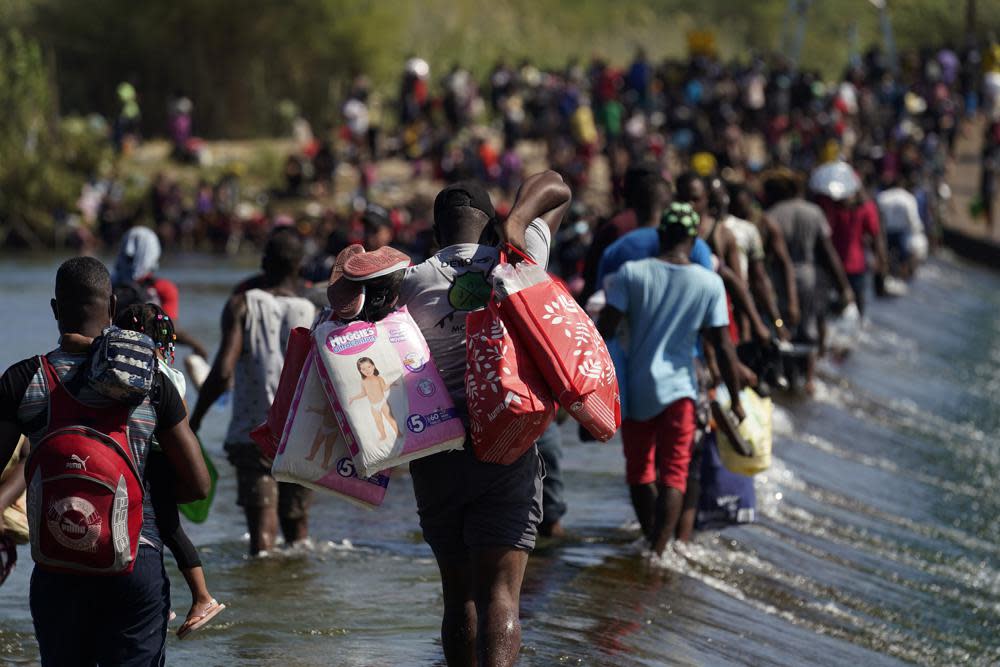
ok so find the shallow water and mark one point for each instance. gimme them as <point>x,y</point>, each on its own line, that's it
<point>877,542</point>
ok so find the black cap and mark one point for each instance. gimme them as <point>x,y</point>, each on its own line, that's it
<point>375,216</point>
<point>464,193</point>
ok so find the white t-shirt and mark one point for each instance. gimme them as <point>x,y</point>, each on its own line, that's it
<point>748,240</point>
<point>899,211</point>
<point>441,291</point>
<point>269,322</point>
<point>176,378</point>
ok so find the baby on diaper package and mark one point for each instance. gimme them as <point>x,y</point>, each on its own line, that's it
<point>313,452</point>
<point>390,402</point>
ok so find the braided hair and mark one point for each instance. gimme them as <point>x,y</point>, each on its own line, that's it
<point>149,318</point>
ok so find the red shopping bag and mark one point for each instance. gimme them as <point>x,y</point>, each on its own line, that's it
<point>564,344</point>
<point>509,403</point>
<point>268,434</point>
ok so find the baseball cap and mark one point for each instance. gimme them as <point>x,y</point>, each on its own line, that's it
<point>680,213</point>
<point>464,193</point>
<point>375,216</point>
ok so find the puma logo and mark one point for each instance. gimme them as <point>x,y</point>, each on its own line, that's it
<point>76,463</point>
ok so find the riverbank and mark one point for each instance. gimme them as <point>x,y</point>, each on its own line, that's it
<point>969,236</point>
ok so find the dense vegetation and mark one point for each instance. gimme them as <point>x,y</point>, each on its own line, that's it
<point>242,61</point>
<point>246,55</point>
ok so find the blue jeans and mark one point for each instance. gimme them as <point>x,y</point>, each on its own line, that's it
<point>550,449</point>
<point>82,621</point>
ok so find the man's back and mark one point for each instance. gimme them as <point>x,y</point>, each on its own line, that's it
<point>268,322</point>
<point>802,223</point>
<point>898,208</point>
<point>666,305</point>
<point>441,291</point>
<point>24,386</point>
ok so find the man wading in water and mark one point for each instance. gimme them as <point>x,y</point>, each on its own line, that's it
<point>82,617</point>
<point>480,519</point>
<point>255,329</point>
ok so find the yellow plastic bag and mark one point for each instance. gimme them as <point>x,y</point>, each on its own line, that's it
<point>756,431</point>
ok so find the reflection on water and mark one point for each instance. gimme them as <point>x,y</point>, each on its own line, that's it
<point>878,540</point>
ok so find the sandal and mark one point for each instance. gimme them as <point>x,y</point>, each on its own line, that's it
<point>345,297</point>
<point>197,622</point>
<point>375,264</point>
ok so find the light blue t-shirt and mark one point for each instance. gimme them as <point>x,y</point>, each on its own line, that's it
<point>666,305</point>
<point>640,244</point>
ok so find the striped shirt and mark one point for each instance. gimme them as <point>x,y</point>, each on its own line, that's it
<point>163,408</point>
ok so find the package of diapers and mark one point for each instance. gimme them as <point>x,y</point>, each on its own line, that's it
<point>390,401</point>
<point>313,452</point>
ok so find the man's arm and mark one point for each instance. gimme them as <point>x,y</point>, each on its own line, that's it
<point>776,241</point>
<point>191,479</point>
<point>608,321</point>
<point>11,489</point>
<point>728,364</point>
<point>544,195</point>
<point>743,302</point>
<point>10,435</point>
<point>221,375</point>
<point>763,293</point>
<point>874,230</point>
<point>184,338</point>
<point>830,260</point>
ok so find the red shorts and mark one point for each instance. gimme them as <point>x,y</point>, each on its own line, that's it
<point>659,449</point>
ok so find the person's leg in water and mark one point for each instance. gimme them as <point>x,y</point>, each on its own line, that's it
<point>553,505</point>
<point>643,497</point>
<point>293,512</point>
<point>262,515</point>
<point>675,428</point>
<point>256,493</point>
<point>859,283</point>
<point>459,622</point>
<point>499,572</point>
<point>689,509</point>
<point>639,445</point>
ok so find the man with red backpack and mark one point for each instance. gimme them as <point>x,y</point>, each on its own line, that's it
<point>99,593</point>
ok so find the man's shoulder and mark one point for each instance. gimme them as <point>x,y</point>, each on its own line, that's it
<point>30,363</point>
<point>699,275</point>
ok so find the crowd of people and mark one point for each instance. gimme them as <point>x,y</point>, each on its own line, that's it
<point>748,204</point>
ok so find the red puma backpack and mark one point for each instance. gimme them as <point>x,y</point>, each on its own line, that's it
<point>84,489</point>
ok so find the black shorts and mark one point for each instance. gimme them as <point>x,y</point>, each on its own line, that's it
<point>257,489</point>
<point>86,620</point>
<point>466,504</point>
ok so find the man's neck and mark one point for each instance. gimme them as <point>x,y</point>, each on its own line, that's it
<point>649,218</point>
<point>677,255</point>
<point>280,285</point>
<point>75,343</point>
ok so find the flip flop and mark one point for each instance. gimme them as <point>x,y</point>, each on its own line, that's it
<point>345,297</point>
<point>210,611</point>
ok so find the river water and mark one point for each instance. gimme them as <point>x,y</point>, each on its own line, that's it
<point>877,541</point>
